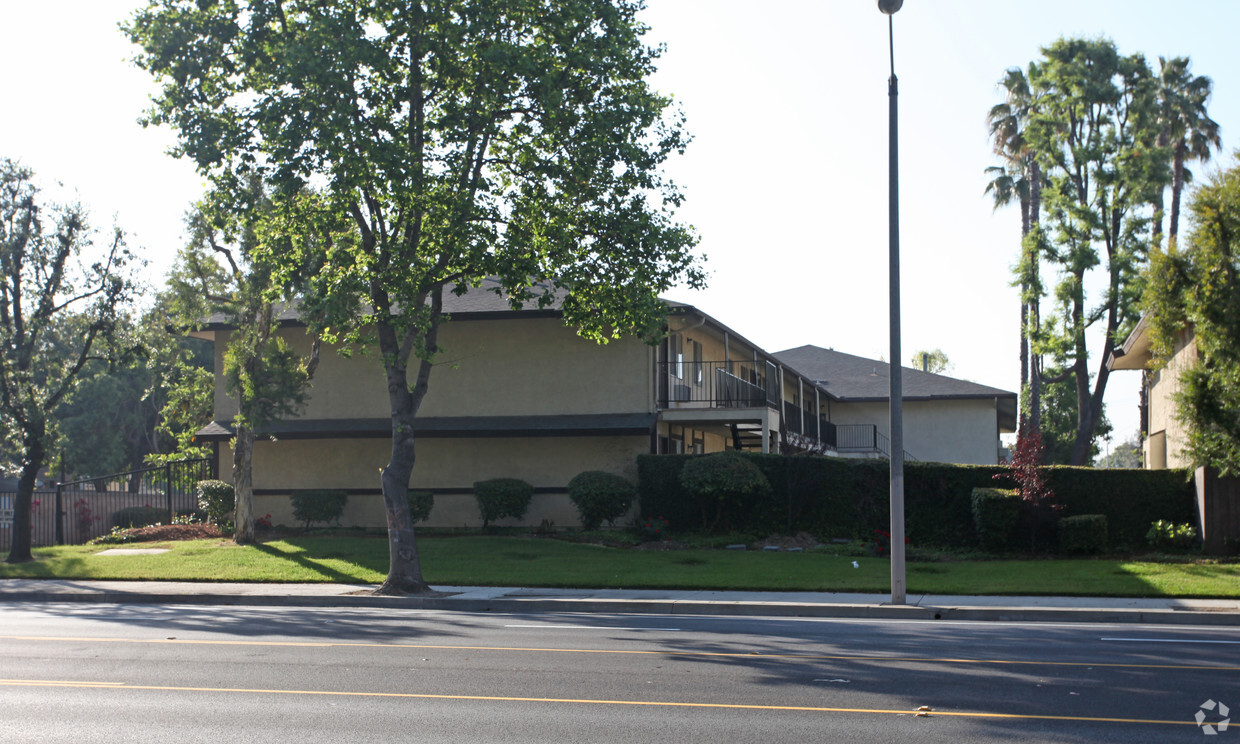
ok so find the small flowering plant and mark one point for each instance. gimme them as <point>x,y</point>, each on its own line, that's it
<point>263,523</point>
<point>880,544</point>
<point>654,528</point>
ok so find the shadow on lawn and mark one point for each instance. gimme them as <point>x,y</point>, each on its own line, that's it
<point>305,561</point>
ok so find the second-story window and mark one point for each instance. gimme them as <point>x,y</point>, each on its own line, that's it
<point>676,351</point>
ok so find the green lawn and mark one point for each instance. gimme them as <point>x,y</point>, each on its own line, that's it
<point>524,561</point>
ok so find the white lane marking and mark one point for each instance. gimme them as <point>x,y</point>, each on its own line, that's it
<point>1168,640</point>
<point>584,627</point>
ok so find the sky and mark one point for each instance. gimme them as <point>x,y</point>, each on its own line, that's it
<point>786,179</point>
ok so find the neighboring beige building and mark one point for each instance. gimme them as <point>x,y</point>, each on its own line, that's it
<point>945,419</point>
<point>1164,433</point>
<point>515,393</point>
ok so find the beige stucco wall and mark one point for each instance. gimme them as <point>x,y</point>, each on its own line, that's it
<point>1166,435</point>
<point>956,431</point>
<point>530,366</point>
<point>546,462</point>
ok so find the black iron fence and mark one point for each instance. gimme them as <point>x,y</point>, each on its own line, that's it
<point>79,511</point>
<point>805,422</point>
<point>857,437</point>
<point>719,384</point>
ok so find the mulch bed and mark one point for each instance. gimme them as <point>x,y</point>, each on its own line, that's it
<point>174,532</point>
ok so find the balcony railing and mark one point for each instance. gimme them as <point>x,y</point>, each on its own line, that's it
<point>718,384</point>
<point>815,425</point>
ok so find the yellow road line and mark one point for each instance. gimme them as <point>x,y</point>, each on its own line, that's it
<point>587,701</point>
<point>630,652</point>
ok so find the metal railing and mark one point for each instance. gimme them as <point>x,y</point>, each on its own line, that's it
<point>857,438</point>
<point>864,438</point>
<point>719,384</point>
<point>79,511</point>
<point>816,426</point>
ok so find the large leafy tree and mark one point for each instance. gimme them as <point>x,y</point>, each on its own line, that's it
<point>60,294</point>
<point>1197,289</point>
<point>1095,133</point>
<point>448,142</point>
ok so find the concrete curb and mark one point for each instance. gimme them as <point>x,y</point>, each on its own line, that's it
<point>509,605</point>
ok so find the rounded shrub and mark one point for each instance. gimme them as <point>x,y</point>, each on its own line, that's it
<point>139,516</point>
<point>318,506</point>
<point>502,497</point>
<point>600,497</point>
<point>420,505</point>
<point>217,499</point>
<point>724,480</point>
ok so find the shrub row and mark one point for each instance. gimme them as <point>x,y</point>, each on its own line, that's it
<point>849,498</point>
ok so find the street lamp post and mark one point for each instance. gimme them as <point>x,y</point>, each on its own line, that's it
<point>890,7</point>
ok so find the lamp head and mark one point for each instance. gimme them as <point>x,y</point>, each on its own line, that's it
<point>890,6</point>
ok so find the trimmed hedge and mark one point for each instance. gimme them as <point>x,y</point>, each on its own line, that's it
<point>849,498</point>
<point>600,497</point>
<point>726,484</point>
<point>502,497</point>
<point>139,516</point>
<point>1131,499</point>
<point>996,515</point>
<point>1085,533</point>
<point>318,506</point>
<point>420,505</point>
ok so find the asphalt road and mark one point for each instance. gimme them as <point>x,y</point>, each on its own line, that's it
<point>143,673</point>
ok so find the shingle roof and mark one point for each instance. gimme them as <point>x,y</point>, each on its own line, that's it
<point>853,379</point>
<point>476,301</point>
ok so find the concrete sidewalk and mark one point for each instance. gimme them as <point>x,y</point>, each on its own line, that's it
<point>664,602</point>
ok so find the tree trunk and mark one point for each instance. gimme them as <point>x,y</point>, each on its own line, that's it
<point>32,461</point>
<point>404,565</point>
<point>1164,139</point>
<point>243,485</point>
<point>1035,301</point>
<point>1177,186</point>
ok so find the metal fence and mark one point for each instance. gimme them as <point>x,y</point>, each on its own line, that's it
<point>79,511</point>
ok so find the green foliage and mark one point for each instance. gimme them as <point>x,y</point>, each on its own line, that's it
<point>118,535</point>
<point>832,497</point>
<point>507,144</point>
<point>63,290</point>
<point>217,499</point>
<point>1084,533</point>
<point>139,516</point>
<point>651,528</point>
<point>318,506</point>
<point>600,497</point>
<point>1195,294</point>
<point>1165,534</point>
<point>1093,126</point>
<point>724,481</point>
<point>1059,420</point>
<point>996,514</point>
<point>1130,499</point>
<point>935,361</point>
<point>502,497</point>
<point>420,505</point>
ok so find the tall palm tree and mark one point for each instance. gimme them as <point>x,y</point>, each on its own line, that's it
<point>1019,180</point>
<point>1186,128</point>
